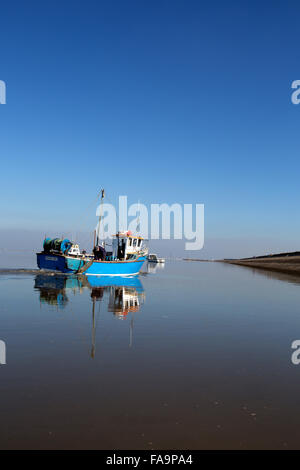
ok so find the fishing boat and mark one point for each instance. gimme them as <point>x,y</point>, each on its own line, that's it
<point>126,258</point>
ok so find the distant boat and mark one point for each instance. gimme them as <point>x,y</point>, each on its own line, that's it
<point>126,258</point>
<point>153,258</point>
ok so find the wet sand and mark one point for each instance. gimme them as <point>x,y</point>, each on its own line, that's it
<point>5,271</point>
<point>282,264</point>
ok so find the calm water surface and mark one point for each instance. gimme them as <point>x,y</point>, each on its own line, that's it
<point>195,355</point>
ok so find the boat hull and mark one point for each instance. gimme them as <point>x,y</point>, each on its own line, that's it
<point>115,268</point>
<point>68,264</point>
<point>57,262</point>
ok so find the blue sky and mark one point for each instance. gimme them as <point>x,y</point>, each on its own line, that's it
<point>162,101</point>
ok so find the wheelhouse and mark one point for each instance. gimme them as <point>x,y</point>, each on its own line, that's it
<point>127,246</point>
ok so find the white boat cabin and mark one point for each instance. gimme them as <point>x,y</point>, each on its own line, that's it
<point>127,246</point>
<point>74,250</point>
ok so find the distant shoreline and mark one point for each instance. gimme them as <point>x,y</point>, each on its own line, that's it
<point>288,263</point>
<point>195,259</point>
<point>280,262</point>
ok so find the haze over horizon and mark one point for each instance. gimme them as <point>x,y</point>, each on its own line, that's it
<point>163,102</point>
<point>13,243</point>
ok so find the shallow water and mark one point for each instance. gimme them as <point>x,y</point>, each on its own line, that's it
<point>193,356</point>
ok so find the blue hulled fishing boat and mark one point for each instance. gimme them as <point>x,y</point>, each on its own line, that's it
<point>126,258</point>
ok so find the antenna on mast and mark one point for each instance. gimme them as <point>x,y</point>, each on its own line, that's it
<point>102,192</point>
<point>138,222</point>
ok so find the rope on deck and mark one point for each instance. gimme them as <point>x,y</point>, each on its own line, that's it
<point>85,266</point>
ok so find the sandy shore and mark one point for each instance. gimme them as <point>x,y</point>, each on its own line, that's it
<point>283,264</point>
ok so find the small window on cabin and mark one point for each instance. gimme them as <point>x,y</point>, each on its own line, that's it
<point>134,241</point>
<point>139,242</point>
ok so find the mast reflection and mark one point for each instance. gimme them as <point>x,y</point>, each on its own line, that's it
<point>122,295</point>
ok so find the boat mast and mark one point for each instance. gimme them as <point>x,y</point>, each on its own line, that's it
<point>100,216</point>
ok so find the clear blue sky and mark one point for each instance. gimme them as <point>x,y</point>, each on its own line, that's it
<point>194,96</point>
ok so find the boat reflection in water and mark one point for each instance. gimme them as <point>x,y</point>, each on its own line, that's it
<point>152,268</point>
<point>53,288</point>
<point>124,295</point>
